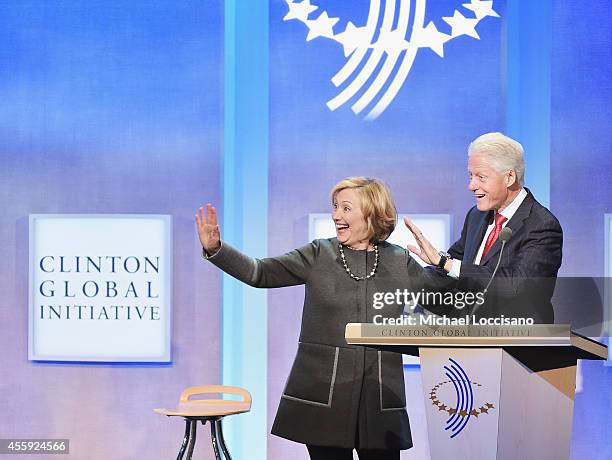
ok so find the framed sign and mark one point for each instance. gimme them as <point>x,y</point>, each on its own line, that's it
<point>435,226</point>
<point>100,287</point>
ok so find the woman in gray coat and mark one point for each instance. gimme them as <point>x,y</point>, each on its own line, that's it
<point>338,397</point>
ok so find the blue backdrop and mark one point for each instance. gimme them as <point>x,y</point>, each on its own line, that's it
<point>159,107</point>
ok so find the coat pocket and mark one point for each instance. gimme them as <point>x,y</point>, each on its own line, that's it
<point>391,387</point>
<point>313,374</point>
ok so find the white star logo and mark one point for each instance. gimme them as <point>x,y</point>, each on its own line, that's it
<point>393,42</point>
<point>375,71</point>
<point>353,38</point>
<point>299,11</point>
<point>481,8</point>
<point>323,26</point>
<point>462,25</point>
<point>430,37</point>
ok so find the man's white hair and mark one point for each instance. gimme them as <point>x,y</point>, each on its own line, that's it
<point>502,152</point>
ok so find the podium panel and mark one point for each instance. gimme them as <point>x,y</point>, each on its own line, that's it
<point>485,404</point>
<point>502,393</point>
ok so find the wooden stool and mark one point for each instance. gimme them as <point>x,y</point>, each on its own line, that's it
<point>207,410</point>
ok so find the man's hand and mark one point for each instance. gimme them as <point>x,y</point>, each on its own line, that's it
<point>425,250</point>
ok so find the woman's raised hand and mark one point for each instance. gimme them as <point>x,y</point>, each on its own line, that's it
<point>208,229</point>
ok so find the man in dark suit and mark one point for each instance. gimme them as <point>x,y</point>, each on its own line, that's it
<point>525,280</point>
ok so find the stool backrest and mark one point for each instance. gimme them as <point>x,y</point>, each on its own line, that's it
<point>213,389</point>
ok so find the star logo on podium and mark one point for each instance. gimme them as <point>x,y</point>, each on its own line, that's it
<point>463,408</point>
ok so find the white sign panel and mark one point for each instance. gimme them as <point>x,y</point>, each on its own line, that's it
<point>436,227</point>
<point>100,288</point>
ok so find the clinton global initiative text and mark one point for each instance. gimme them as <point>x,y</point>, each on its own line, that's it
<point>97,312</point>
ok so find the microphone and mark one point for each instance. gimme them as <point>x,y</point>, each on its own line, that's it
<point>504,237</point>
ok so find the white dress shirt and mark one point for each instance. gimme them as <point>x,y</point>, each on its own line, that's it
<point>507,212</point>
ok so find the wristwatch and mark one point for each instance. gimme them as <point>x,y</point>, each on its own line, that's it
<point>444,256</point>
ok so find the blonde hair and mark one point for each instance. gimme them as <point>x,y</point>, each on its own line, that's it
<point>377,205</point>
<point>502,152</point>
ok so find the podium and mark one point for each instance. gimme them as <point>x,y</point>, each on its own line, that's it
<point>492,392</point>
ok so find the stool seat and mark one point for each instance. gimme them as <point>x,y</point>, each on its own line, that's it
<point>207,410</point>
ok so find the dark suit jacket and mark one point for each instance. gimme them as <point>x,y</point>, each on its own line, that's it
<point>525,280</point>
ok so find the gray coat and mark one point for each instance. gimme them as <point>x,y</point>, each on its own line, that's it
<point>337,394</point>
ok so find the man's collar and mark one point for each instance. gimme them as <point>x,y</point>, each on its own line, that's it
<point>510,210</point>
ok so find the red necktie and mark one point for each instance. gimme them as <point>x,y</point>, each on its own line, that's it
<point>499,221</point>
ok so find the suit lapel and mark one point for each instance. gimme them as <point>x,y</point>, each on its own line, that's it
<point>474,242</point>
<point>515,224</point>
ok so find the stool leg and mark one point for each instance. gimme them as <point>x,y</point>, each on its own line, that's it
<point>213,436</point>
<point>192,438</point>
<point>185,440</point>
<point>222,440</point>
